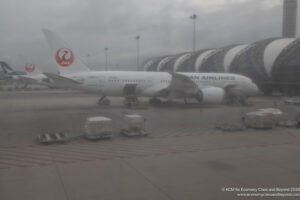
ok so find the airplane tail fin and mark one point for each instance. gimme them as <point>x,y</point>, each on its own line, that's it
<point>31,69</point>
<point>7,69</point>
<point>64,56</point>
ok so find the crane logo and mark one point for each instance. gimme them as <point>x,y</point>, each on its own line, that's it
<point>64,57</point>
<point>29,67</point>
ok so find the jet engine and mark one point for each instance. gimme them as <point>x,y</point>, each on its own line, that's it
<point>213,95</point>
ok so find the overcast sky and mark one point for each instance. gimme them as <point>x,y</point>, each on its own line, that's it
<point>164,26</point>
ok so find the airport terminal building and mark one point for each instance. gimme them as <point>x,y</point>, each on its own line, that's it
<point>273,63</point>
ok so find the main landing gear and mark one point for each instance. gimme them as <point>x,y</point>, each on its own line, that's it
<point>103,101</point>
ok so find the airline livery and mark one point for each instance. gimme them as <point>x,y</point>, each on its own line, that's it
<point>205,87</point>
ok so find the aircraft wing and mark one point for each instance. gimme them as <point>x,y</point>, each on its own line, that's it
<point>157,90</point>
<point>27,80</point>
<point>179,86</point>
<point>182,82</point>
<point>63,82</point>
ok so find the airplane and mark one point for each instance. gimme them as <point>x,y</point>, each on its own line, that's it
<point>32,76</point>
<point>204,87</point>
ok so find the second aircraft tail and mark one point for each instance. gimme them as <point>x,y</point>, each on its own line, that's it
<point>7,69</point>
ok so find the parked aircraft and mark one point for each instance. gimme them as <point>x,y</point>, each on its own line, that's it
<point>205,87</point>
<point>32,76</point>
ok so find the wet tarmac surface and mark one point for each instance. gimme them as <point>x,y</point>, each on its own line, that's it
<point>184,156</point>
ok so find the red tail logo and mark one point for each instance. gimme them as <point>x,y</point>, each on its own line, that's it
<point>64,57</point>
<point>29,67</point>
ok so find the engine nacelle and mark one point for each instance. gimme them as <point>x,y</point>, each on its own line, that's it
<point>212,95</point>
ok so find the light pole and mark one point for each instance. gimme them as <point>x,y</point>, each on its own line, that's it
<point>88,59</point>
<point>106,54</point>
<point>137,51</point>
<point>194,17</point>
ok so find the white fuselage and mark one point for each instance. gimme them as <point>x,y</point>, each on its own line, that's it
<point>111,83</point>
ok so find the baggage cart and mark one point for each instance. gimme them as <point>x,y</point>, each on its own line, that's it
<point>135,126</point>
<point>98,128</point>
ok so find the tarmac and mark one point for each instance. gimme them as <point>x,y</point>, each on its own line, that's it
<point>184,156</point>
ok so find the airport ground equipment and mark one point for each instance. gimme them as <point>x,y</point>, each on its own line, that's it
<point>275,112</point>
<point>50,138</point>
<point>235,97</point>
<point>130,93</point>
<point>136,126</point>
<point>98,128</point>
<point>288,123</point>
<point>263,118</point>
<point>298,120</point>
<point>292,101</point>
<point>131,101</point>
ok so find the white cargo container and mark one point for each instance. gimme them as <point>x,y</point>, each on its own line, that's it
<point>263,118</point>
<point>98,128</point>
<point>135,126</point>
<point>276,113</point>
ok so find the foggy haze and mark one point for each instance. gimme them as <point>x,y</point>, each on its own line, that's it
<point>164,26</point>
